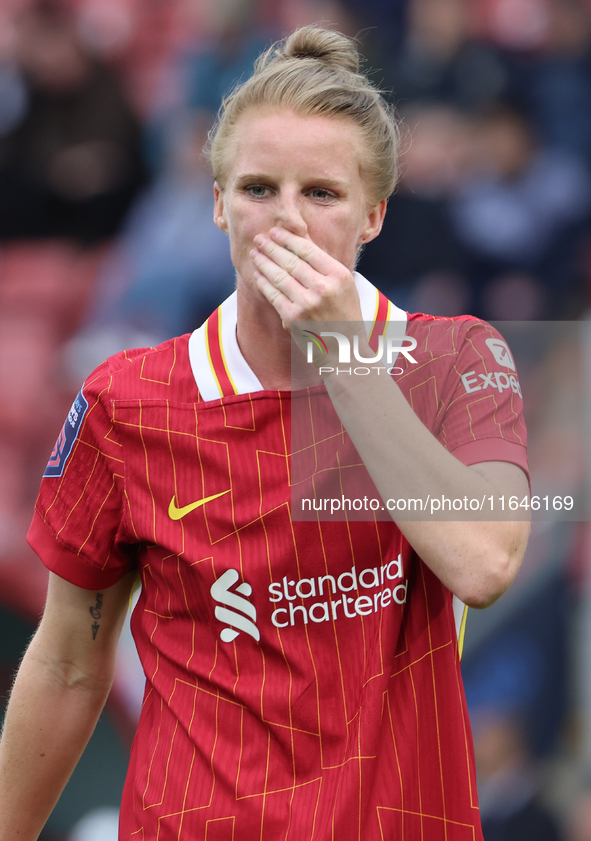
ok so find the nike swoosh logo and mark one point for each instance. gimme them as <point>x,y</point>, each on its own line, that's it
<point>177,513</point>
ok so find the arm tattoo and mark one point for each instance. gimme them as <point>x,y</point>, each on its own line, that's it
<point>95,612</point>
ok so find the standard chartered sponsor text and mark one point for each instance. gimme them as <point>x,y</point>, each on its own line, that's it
<point>329,598</point>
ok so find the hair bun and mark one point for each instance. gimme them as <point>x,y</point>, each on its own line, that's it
<point>332,48</point>
<point>314,71</point>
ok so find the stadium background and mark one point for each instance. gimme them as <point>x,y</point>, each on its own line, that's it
<point>106,241</point>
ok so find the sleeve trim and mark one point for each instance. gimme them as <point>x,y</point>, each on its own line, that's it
<point>492,449</point>
<point>59,559</point>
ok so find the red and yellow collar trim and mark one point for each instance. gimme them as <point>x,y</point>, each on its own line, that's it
<point>217,363</point>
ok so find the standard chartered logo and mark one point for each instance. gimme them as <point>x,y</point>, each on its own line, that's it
<point>239,613</point>
<point>327,598</point>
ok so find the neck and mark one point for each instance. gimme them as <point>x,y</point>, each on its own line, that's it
<point>268,348</point>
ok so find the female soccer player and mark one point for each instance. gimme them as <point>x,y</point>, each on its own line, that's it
<point>302,676</point>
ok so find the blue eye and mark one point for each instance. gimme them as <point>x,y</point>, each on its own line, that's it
<point>322,194</point>
<point>258,191</point>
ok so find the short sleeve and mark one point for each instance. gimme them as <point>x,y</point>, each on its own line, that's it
<point>483,418</point>
<point>79,526</point>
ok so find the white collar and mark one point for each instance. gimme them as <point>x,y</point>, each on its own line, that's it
<point>240,374</point>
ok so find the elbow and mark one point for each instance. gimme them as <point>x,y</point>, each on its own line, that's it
<point>485,595</point>
<point>486,590</point>
<point>493,573</point>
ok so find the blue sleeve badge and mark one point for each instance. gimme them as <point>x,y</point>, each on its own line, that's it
<point>66,438</point>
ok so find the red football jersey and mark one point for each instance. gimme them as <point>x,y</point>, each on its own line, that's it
<point>302,678</point>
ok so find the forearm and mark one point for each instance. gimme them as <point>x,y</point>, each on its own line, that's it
<point>60,690</point>
<point>51,715</point>
<point>476,559</point>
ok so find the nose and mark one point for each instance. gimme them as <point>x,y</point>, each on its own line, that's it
<point>290,213</point>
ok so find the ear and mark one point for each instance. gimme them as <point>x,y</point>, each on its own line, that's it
<point>374,222</point>
<point>219,217</point>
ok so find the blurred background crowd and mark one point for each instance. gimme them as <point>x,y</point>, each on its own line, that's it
<point>107,241</point>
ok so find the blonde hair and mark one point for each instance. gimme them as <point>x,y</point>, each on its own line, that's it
<point>315,71</point>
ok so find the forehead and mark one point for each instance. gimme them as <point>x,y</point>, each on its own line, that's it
<point>270,138</point>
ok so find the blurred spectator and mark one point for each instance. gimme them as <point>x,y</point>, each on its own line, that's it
<point>440,62</point>
<point>418,259</point>
<point>178,260</point>
<point>44,287</point>
<point>515,296</point>
<point>219,64</point>
<point>379,23</point>
<point>516,25</point>
<point>503,231</point>
<point>524,210</point>
<point>554,83</point>
<point>70,157</point>
<point>70,165</point>
<point>485,220</point>
<point>171,267</point>
<point>507,785</point>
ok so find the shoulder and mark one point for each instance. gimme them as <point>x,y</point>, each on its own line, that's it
<point>458,334</point>
<point>445,325</point>
<point>163,371</point>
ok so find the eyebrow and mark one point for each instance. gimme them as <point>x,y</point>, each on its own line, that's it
<point>319,180</point>
<point>252,176</point>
